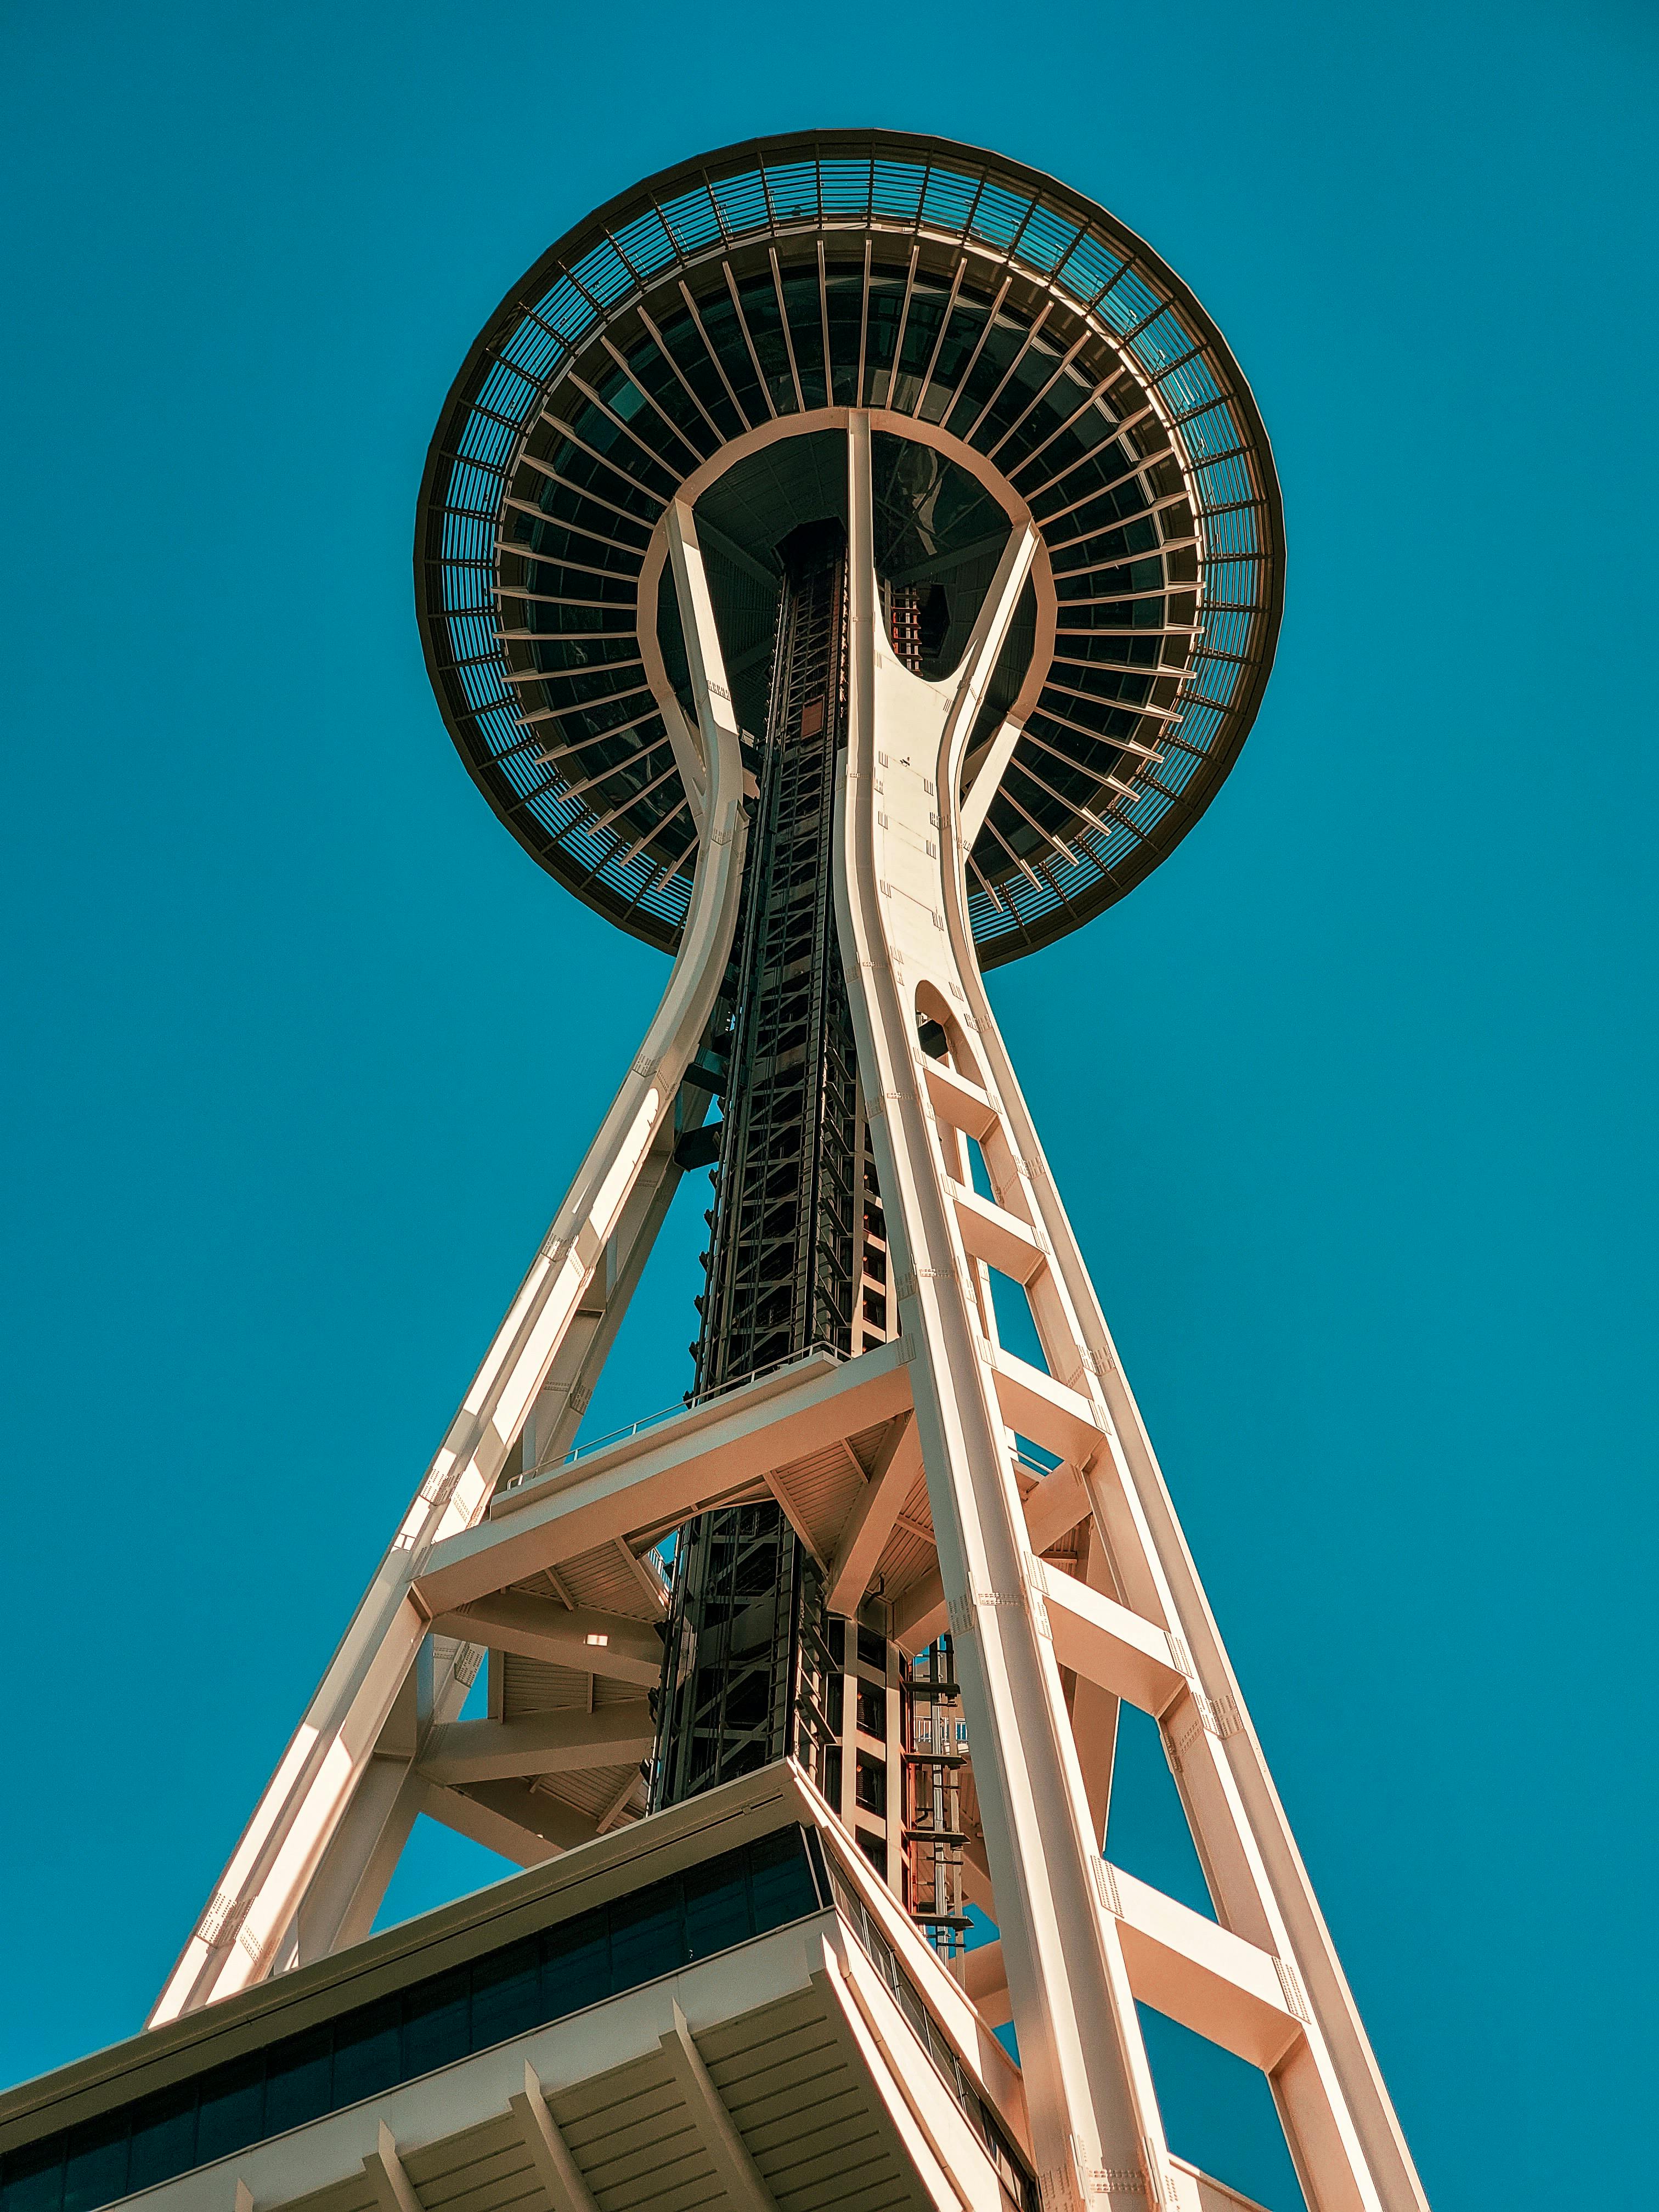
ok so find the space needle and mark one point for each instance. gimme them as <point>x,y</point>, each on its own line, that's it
<point>848,562</point>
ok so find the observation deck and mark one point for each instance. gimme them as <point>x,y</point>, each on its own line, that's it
<point>702,337</point>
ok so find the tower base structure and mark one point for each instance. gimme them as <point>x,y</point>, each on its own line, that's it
<point>723,2005</point>
<point>917,1574</point>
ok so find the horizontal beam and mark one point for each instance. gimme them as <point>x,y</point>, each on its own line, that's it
<point>544,1743</point>
<point>991,1233</point>
<point>1181,1965</point>
<point>957,1101</point>
<point>1034,1405</point>
<point>1055,1504</point>
<point>661,1478</point>
<point>606,1643</point>
<point>1193,1971</point>
<point>510,1817</point>
<point>921,1613</point>
<point>1107,1644</point>
<point>985,1979</point>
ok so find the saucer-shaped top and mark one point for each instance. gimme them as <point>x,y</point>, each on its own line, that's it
<point>1021,354</point>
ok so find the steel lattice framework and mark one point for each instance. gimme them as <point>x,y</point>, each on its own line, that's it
<point>847,561</point>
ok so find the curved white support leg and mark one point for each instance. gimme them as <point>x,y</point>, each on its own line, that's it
<point>908,948</point>
<point>246,1929</point>
<point>1094,2122</point>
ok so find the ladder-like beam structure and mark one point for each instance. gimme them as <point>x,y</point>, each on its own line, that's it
<point>1064,1592</point>
<point>351,1765</point>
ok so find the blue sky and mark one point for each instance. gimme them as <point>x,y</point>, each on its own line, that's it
<point>1352,1102</point>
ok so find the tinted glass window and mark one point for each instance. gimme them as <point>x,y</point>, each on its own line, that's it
<point>366,2051</point>
<point>706,1910</point>
<point>506,1994</point>
<point>576,1966</point>
<point>645,1935</point>
<point>435,2029</point>
<point>716,1907</point>
<point>35,2177</point>
<point>97,2169</point>
<point>164,2136</point>
<point>781,1879</point>
<point>231,2112</point>
<point>297,2082</point>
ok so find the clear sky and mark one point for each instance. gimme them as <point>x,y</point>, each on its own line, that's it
<point>1352,1102</point>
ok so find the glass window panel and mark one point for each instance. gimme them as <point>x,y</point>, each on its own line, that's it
<point>882,317</point>
<point>921,329</point>
<point>961,337</point>
<point>681,336</point>
<point>297,2082</point>
<point>436,2023</point>
<point>716,1906</point>
<point>780,1881</point>
<point>645,1935</point>
<point>367,2048</point>
<point>506,1994</point>
<point>33,2178</point>
<point>720,322</point>
<point>1000,350</point>
<point>801,297</point>
<point>760,312</point>
<point>575,1965</point>
<point>96,2170</point>
<point>844,292</point>
<point>231,2109</point>
<point>163,2137</point>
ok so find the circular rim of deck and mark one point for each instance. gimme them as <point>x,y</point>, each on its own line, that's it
<point>1062,263</point>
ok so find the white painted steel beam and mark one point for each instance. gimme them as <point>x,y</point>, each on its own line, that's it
<point>1189,1968</point>
<point>1052,1414</point>
<point>241,1935</point>
<point>873,1517</point>
<point>986,780</point>
<point>956,1100</point>
<point>1200,1973</point>
<point>556,2169</point>
<point>543,1743</point>
<point>521,1823</point>
<point>1112,1646</point>
<point>1055,1505</point>
<point>739,2176</point>
<point>1001,1239</point>
<point>1342,2131</point>
<point>1094,1708</point>
<point>704,1457</point>
<point>607,1644</point>
<point>1094,2118</point>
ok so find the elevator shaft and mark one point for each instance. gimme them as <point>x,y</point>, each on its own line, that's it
<point>746,1647</point>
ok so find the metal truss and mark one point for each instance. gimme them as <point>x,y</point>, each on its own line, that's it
<point>1063,1589</point>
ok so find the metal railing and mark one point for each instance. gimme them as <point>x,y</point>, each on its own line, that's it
<point>694,1397</point>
